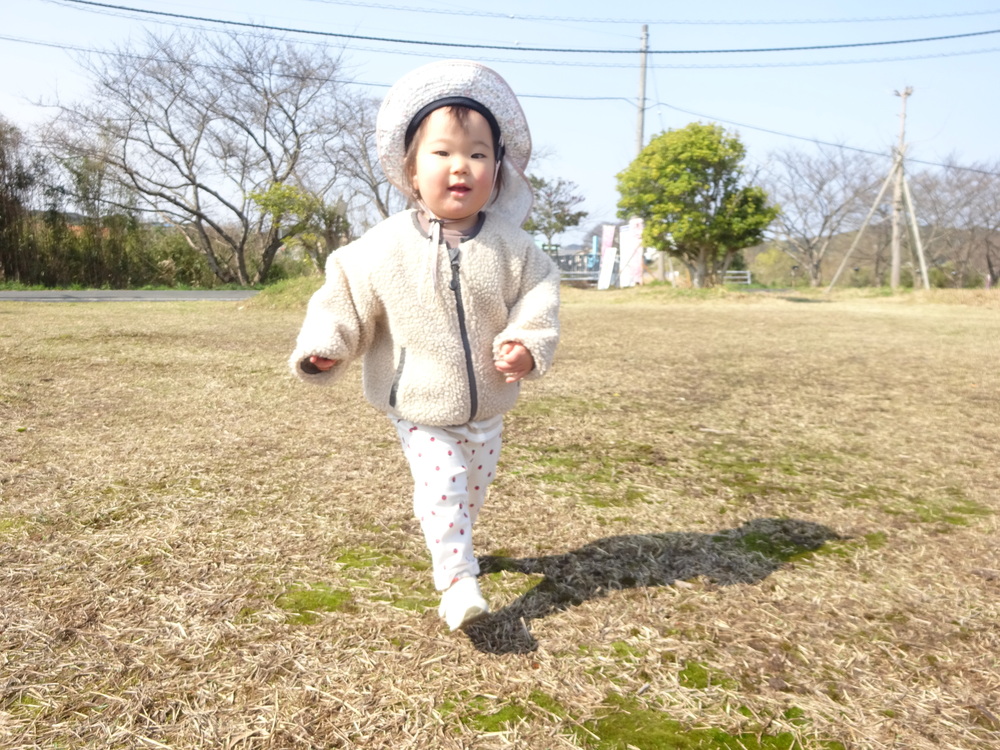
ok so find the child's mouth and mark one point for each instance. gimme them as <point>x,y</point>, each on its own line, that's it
<point>460,189</point>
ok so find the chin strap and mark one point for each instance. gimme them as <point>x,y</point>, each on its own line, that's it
<point>435,225</point>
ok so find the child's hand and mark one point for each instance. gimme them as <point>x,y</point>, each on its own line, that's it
<point>515,361</point>
<point>315,365</point>
<point>322,363</point>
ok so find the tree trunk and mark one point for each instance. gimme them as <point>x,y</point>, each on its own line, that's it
<point>267,258</point>
<point>992,269</point>
<point>700,276</point>
<point>815,274</point>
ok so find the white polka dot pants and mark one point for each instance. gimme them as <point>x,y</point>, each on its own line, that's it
<point>452,468</point>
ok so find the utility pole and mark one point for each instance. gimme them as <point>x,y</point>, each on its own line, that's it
<point>640,135</point>
<point>897,191</point>
<point>901,193</point>
<point>640,130</point>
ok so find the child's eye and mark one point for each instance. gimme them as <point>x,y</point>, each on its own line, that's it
<point>479,156</point>
<point>440,152</point>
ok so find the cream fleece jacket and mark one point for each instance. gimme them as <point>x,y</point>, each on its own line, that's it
<point>418,355</point>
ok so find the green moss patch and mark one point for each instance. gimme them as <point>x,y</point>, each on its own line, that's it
<point>602,475</point>
<point>482,713</point>
<point>699,676</point>
<point>847,547</point>
<point>625,650</point>
<point>779,540</point>
<point>750,472</point>
<point>497,721</point>
<point>374,571</point>
<point>13,525</point>
<point>947,506</point>
<point>955,510</point>
<point>304,603</point>
<point>776,548</point>
<point>625,723</point>
<point>361,557</point>
<point>548,704</point>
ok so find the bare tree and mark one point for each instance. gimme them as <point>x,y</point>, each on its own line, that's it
<point>820,196</point>
<point>986,213</point>
<point>943,200</point>
<point>354,151</point>
<point>195,126</point>
<point>960,217</point>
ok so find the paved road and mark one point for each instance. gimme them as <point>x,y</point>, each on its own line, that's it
<point>124,295</point>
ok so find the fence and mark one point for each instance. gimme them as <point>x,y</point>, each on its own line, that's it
<point>586,268</point>
<point>736,277</point>
<point>579,267</point>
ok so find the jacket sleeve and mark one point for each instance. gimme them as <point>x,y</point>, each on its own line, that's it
<point>338,324</point>
<point>534,318</point>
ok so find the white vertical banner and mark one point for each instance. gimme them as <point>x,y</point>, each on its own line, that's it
<point>609,254</point>
<point>630,242</point>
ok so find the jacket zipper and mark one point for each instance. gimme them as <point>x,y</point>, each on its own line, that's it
<point>456,287</point>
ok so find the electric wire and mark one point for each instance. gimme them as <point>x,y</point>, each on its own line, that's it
<point>654,22</point>
<point>819,142</point>
<point>634,65</point>
<point>518,48</point>
<point>627,100</point>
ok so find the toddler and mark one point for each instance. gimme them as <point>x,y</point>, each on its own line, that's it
<point>449,304</point>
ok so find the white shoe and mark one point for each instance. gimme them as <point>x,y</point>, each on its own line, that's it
<point>462,604</point>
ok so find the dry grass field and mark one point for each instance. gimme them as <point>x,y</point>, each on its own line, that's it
<point>724,521</point>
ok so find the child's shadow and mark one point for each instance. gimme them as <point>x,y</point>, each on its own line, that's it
<point>746,554</point>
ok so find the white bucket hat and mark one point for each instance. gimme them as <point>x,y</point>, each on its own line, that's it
<point>443,80</point>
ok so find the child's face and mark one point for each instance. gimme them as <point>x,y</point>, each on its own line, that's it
<point>454,167</point>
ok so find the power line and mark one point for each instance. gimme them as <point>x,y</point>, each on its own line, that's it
<point>207,66</point>
<point>709,66</point>
<point>624,65</point>
<point>518,48</point>
<point>819,142</point>
<point>627,100</point>
<point>600,65</point>
<point>151,58</point>
<point>154,59</point>
<point>820,63</point>
<point>660,22</point>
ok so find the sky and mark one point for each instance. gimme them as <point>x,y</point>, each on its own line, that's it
<point>583,107</point>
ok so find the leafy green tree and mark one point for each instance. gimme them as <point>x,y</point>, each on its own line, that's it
<point>305,221</point>
<point>773,267</point>
<point>552,212</point>
<point>690,189</point>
